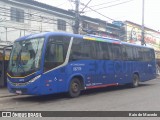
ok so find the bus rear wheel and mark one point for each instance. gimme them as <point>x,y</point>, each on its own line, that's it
<point>74,88</point>
<point>135,81</point>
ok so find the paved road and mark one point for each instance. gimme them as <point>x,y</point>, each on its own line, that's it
<point>144,98</point>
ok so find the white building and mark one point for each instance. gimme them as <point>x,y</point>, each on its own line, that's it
<point>22,17</point>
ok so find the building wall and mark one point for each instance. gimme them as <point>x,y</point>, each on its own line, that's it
<point>38,19</point>
<point>10,30</point>
<point>151,37</point>
<point>34,21</point>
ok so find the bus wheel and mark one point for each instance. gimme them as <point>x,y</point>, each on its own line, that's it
<point>135,81</point>
<point>74,88</point>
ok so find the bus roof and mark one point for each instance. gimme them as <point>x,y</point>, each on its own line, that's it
<point>136,45</point>
<point>47,34</point>
<point>87,37</point>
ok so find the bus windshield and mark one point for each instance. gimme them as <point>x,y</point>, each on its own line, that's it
<point>25,57</point>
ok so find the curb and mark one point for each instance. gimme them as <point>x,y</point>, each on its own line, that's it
<point>4,96</point>
<point>5,93</point>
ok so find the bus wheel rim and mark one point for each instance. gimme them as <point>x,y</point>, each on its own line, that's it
<point>135,81</point>
<point>75,87</point>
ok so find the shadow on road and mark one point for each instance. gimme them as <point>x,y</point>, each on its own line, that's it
<point>113,88</point>
<point>62,96</point>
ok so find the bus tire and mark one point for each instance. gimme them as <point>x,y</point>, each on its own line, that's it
<point>74,88</point>
<point>135,81</point>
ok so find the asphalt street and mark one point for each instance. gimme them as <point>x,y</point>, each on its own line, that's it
<point>146,97</point>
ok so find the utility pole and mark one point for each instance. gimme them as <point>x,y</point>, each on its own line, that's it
<point>77,17</point>
<point>142,39</point>
<point>6,35</point>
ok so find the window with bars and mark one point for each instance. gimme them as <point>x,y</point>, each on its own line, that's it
<point>61,25</point>
<point>17,14</point>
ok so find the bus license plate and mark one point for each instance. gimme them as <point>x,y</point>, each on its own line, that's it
<point>18,91</point>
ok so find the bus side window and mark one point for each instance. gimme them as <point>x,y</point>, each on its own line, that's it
<point>139,54</point>
<point>134,53</point>
<point>76,49</point>
<point>152,54</point>
<point>145,54</point>
<point>110,52</point>
<point>56,51</point>
<point>124,53</point>
<point>50,53</point>
<point>93,50</point>
<point>129,52</point>
<point>82,49</point>
<point>54,56</point>
<point>86,50</point>
<point>117,53</point>
<point>105,50</point>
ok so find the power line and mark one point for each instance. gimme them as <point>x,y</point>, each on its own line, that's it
<point>70,3</point>
<point>33,19</point>
<point>104,15</point>
<point>26,19</point>
<point>37,21</point>
<point>86,5</point>
<point>19,28</point>
<point>112,5</point>
<point>25,13</point>
<point>62,4</point>
<point>99,13</point>
<point>31,14</point>
<point>104,3</point>
<point>8,14</point>
<point>50,18</point>
<point>39,28</point>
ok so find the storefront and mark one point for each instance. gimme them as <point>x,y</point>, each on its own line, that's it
<point>151,37</point>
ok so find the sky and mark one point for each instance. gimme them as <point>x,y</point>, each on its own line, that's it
<point>120,10</point>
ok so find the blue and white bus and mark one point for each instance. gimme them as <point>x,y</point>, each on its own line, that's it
<point>55,62</point>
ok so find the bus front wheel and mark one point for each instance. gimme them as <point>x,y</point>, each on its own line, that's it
<point>135,81</point>
<point>74,88</point>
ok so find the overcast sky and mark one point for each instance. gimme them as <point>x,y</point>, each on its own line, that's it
<point>130,10</point>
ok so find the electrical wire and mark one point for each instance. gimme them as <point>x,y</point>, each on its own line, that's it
<point>61,4</point>
<point>100,13</point>
<point>41,21</point>
<point>56,20</point>
<point>104,3</point>
<point>86,5</point>
<point>112,5</point>
<point>104,15</point>
<point>70,3</point>
<point>40,17</point>
<point>33,14</point>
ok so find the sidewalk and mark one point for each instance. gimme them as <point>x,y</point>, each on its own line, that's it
<point>5,93</point>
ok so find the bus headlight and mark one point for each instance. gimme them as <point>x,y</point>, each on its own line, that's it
<point>35,78</point>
